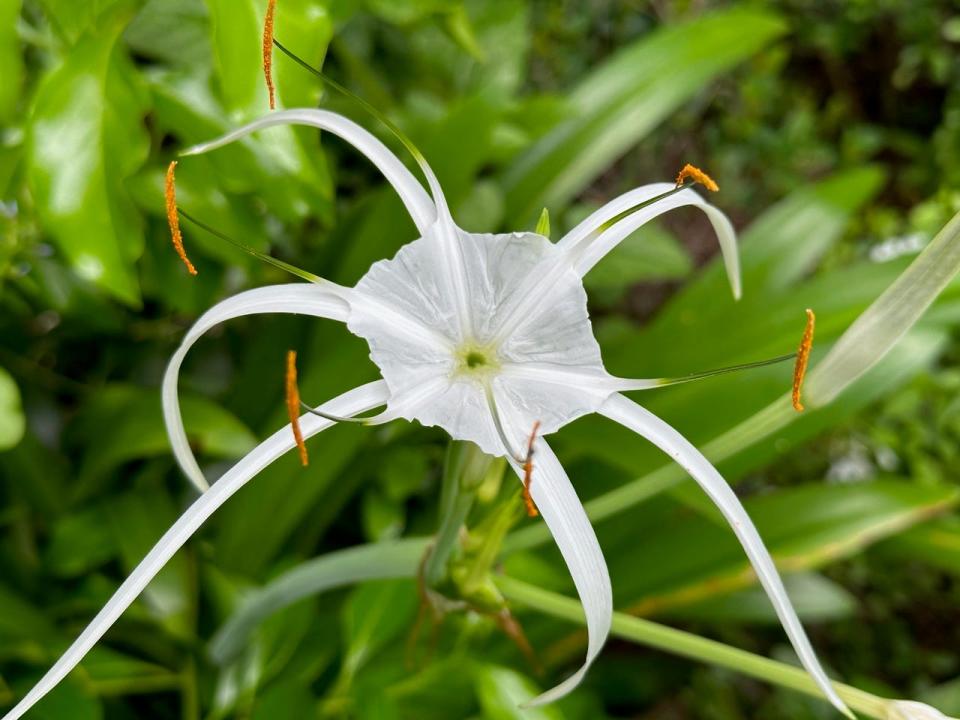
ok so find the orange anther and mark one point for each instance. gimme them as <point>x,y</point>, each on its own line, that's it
<point>268,51</point>
<point>170,195</point>
<point>689,172</point>
<point>803,357</point>
<point>528,473</point>
<point>293,405</point>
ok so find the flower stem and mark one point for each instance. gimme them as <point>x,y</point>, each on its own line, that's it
<point>464,470</point>
<point>678,642</point>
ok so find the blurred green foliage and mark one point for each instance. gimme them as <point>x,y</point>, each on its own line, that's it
<point>833,129</point>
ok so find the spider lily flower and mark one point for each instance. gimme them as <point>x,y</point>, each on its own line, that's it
<point>485,336</point>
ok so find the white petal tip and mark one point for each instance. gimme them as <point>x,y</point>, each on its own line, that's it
<point>194,150</point>
<point>736,287</point>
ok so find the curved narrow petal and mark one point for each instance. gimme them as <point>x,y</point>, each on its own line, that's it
<point>411,192</point>
<point>609,210</point>
<point>594,250</point>
<point>292,298</point>
<point>355,401</point>
<point>643,422</point>
<point>563,513</point>
<point>561,509</point>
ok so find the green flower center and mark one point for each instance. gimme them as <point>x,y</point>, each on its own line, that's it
<point>473,359</point>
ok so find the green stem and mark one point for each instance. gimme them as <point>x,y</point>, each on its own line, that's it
<point>678,642</point>
<point>464,470</point>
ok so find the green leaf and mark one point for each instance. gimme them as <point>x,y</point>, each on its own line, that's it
<point>884,323</point>
<point>136,430</point>
<point>502,691</point>
<point>68,701</point>
<point>11,63</point>
<point>12,421</point>
<point>74,18</point>
<point>237,28</point>
<point>374,616</point>
<point>815,598</point>
<point>936,543</point>
<point>620,102</point>
<point>80,542</point>
<point>20,619</point>
<point>172,31</point>
<point>335,569</point>
<point>286,700</point>
<point>804,528</point>
<point>86,137</point>
<point>113,673</point>
<point>135,520</point>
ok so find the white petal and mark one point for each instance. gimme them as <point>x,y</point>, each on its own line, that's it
<point>594,250</point>
<point>645,423</point>
<point>561,509</point>
<point>912,710</point>
<point>293,298</point>
<point>411,192</point>
<point>610,210</point>
<point>355,401</point>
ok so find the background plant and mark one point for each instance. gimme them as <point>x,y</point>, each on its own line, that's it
<point>833,132</point>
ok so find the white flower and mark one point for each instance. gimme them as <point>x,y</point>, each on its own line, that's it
<point>481,335</point>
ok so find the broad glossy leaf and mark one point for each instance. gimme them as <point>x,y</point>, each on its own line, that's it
<point>620,102</point>
<point>86,137</point>
<point>12,421</point>
<point>237,29</point>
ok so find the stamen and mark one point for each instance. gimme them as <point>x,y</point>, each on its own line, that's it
<point>170,195</point>
<point>293,405</point>
<point>667,381</point>
<point>803,357</point>
<point>528,473</point>
<point>287,267</point>
<point>268,51</point>
<point>689,172</point>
